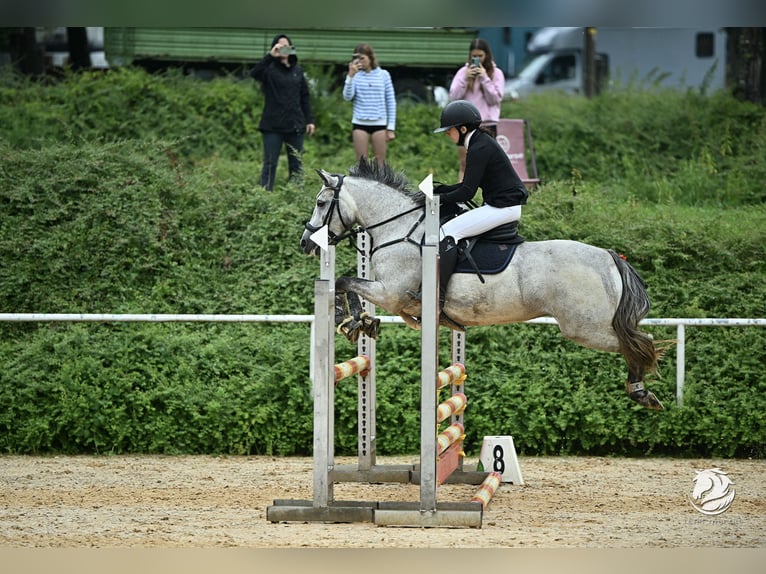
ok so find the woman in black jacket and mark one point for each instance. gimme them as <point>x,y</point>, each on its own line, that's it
<point>287,114</point>
<point>487,166</point>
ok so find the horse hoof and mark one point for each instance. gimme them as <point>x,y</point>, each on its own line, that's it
<point>370,326</point>
<point>353,334</point>
<point>350,328</point>
<point>647,399</point>
<point>638,393</point>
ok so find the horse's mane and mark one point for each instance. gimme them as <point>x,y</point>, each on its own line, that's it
<point>385,174</point>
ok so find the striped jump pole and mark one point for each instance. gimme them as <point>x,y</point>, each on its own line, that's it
<point>452,434</point>
<point>454,405</point>
<point>487,489</point>
<point>452,375</point>
<point>357,365</point>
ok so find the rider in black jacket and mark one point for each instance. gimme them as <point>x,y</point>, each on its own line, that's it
<point>487,167</point>
<point>287,114</point>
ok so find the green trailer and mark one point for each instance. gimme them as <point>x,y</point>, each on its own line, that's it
<point>418,59</point>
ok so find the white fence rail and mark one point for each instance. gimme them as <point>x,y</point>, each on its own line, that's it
<point>679,323</point>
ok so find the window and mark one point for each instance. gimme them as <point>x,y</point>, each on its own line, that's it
<point>562,68</point>
<point>705,47</point>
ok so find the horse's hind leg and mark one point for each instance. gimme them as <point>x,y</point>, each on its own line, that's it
<point>634,386</point>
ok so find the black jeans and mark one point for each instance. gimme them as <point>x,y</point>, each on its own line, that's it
<point>272,147</point>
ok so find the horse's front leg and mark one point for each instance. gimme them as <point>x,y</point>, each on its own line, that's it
<point>351,318</point>
<point>346,319</point>
<point>376,293</point>
<point>391,295</point>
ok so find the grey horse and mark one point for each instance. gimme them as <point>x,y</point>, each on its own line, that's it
<point>596,297</point>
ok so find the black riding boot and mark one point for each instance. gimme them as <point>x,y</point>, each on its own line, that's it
<point>448,255</point>
<point>447,263</point>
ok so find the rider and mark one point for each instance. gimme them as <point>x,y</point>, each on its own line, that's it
<point>487,166</point>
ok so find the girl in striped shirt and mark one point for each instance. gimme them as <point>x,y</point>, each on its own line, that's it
<point>371,90</point>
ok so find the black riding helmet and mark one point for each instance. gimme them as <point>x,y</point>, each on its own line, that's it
<point>459,113</point>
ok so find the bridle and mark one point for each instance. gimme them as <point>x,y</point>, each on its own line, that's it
<point>350,232</point>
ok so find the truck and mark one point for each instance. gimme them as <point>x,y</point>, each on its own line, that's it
<point>647,57</point>
<point>509,46</point>
<point>418,59</point>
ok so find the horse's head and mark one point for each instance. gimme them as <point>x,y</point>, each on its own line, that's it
<point>332,209</point>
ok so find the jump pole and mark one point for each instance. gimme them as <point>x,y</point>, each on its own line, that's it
<point>324,390</point>
<point>323,507</point>
<point>427,512</point>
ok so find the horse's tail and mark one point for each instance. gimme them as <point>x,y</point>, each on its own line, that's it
<point>637,347</point>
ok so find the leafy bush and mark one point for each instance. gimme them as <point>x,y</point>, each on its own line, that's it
<point>129,193</point>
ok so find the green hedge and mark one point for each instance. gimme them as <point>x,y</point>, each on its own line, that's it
<point>129,193</point>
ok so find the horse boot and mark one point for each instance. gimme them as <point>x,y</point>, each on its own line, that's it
<point>347,324</point>
<point>448,255</point>
<point>643,397</point>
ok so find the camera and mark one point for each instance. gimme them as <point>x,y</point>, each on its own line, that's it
<point>475,62</point>
<point>286,50</point>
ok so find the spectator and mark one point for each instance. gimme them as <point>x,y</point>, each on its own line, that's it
<point>480,82</point>
<point>287,115</point>
<point>370,89</point>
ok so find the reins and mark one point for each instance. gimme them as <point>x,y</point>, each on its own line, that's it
<point>407,237</point>
<point>351,233</point>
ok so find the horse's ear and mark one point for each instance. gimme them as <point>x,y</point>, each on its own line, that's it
<point>325,177</point>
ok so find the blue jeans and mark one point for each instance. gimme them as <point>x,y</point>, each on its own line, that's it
<point>272,147</point>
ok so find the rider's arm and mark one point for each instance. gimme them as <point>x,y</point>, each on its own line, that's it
<point>476,162</point>
<point>454,193</point>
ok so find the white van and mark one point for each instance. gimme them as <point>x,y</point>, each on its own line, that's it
<point>668,57</point>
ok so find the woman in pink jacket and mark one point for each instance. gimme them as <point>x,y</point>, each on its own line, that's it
<point>480,82</point>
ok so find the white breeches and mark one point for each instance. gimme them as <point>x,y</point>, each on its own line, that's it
<point>478,220</point>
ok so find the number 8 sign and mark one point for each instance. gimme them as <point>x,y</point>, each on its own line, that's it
<point>498,454</point>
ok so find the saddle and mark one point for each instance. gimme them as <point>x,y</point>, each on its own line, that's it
<point>489,253</point>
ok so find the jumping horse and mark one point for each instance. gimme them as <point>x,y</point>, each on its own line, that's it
<point>596,296</point>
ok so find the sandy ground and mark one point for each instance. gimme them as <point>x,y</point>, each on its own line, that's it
<point>184,502</point>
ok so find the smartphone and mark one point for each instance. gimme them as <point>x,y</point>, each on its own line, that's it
<point>475,62</point>
<point>286,50</point>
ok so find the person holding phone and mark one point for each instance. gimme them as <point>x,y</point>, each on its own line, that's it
<point>287,116</point>
<point>480,82</point>
<point>370,89</point>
